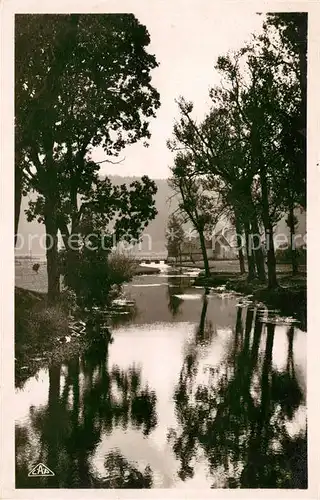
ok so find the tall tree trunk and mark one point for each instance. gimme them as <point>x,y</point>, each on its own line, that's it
<point>258,252</point>
<point>272,263</point>
<point>272,272</point>
<point>303,66</point>
<point>204,253</point>
<point>257,154</point>
<point>17,199</point>
<point>240,251</point>
<point>294,261</point>
<point>241,261</point>
<point>71,243</point>
<point>52,252</point>
<point>51,197</point>
<point>250,258</point>
<point>255,240</point>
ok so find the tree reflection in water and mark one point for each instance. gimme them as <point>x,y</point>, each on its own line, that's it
<point>121,474</point>
<point>237,420</point>
<point>176,286</point>
<point>64,434</point>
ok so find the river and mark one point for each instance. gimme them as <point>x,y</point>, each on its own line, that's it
<point>196,390</point>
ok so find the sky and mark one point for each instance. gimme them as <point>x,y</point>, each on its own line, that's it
<point>186,43</point>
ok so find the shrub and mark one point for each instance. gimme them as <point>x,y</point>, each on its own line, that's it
<point>95,276</point>
<point>37,325</point>
<point>40,323</point>
<point>40,334</point>
<point>48,322</point>
<point>68,300</point>
<point>121,268</point>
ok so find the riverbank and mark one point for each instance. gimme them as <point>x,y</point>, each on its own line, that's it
<point>232,266</point>
<point>290,297</point>
<point>123,387</point>
<point>146,270</point>
<point>42,334</point>
<point>46,334</point>
<point>27,278</point>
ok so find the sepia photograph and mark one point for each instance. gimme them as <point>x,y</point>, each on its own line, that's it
<point>160,249</point>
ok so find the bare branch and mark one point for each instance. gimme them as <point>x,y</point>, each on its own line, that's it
<point>112,162</point>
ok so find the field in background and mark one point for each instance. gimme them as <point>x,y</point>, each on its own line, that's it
<point>25,277</point>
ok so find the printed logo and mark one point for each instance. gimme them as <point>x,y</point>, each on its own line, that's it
<point>40,470</point>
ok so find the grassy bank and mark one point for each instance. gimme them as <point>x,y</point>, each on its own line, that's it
<point>232,266</point>
<point>290,297</point>
<point>45,334</point>
<point>42,334</point>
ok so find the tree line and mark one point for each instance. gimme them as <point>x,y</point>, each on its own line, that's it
<point>246,158</point>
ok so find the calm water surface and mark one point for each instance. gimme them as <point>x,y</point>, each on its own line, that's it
<point>195,391</point>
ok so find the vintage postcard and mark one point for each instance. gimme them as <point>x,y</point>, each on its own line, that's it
<point>160,325</point>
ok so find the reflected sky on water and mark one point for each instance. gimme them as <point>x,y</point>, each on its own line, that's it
<point>194,392</point>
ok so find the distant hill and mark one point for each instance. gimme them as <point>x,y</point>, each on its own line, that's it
<point>166,203</point>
